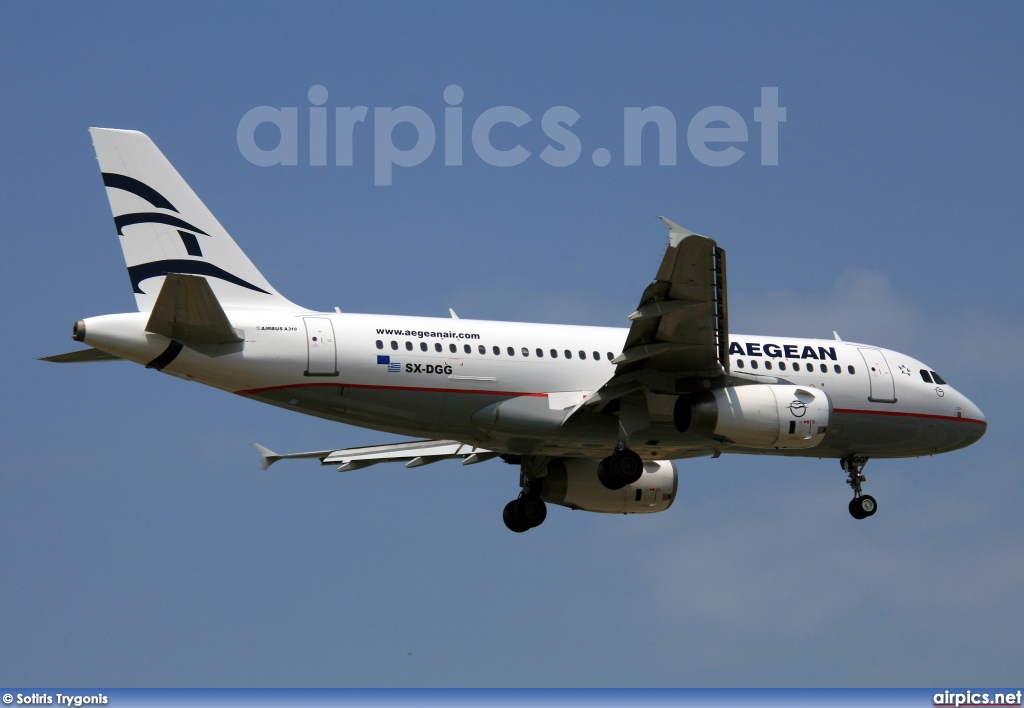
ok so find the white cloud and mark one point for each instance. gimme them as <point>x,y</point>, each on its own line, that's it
<point>966,344</point>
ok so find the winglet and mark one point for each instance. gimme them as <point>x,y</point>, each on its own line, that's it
<point>836,335</point>
<point>676,233</point>
<point>454,316</point>
<point>269,457</point>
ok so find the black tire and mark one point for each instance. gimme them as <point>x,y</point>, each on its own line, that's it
<point>631,467</point>
<point>868,505</point>
<point>855,509</point>
<point>863,506</point>
<point>530,511</point>
<point>509,517</point>
<point>620,469</point>
<point>604,475</point>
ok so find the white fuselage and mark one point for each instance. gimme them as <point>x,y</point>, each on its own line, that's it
<point>441,378</point>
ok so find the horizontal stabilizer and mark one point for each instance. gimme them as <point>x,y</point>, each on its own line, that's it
<point>187,310</point>
<point>414,454</point>
<point>80,356</point>
<point>269,457</point>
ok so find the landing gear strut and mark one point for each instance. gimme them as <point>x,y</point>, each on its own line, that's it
<point>529,510</point>
<point>862,505</point>
<point>621,468</point>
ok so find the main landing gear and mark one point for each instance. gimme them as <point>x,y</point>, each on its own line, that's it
<point>524,513</point>
<point>862,505</point>
<point>529,510</point>
<point>620,469</point>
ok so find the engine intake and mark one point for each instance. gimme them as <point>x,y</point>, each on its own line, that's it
<point>759,416</point>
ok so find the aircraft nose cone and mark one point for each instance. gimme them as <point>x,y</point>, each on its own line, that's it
<point>978,425</point>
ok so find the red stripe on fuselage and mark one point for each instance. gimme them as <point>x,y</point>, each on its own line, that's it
<point>254,391</point>
<point>911,415</point>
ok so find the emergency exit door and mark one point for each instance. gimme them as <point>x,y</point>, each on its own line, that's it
<point>323,352</point>
<point>883,388</point>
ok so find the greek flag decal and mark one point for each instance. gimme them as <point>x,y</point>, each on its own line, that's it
<point>393,366</point>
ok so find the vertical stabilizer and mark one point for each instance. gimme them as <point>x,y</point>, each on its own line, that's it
<point>165,228</point>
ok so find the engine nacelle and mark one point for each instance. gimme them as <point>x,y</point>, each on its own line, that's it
<point>760,416</point>
<point>573,482</point>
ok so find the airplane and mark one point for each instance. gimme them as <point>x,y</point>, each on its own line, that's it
<point>594,418</point>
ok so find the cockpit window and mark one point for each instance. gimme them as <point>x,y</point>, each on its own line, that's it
<point>938,379</point>
<point>926,376</point>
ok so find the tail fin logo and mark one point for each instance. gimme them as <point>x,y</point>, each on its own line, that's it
<point>139,189</point>
<point>186,231</point>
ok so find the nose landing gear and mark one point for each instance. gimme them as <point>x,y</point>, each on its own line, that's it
<point>862,505</point>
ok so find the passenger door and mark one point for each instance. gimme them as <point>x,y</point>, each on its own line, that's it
<point>883,388</point>
<point>323,351</point>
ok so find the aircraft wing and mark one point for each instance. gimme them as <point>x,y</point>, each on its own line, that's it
<point>680,330</point>
<point>413,454</point>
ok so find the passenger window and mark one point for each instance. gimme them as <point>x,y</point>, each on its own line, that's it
<point>408,346</point>
<point>938,379</point>
<point>423,346</point>
<point>511,351</point>
<point>768,365</point>
<point>597,357</point>
<point>824,369</point>
<point>497,351</point>
<point>782,366</point>
<point>568,354</point>
<point>838,369</point>
<point>925,375</point>
<point>610,356</point>
<point>583,354</point>
<point>482,349</point>
<point>540,352</point>
<point>526,352</point>
<point>753,363</point>
<point>437,346</point>
<point>394,344</point>
<point>851,369</point>
<point>739,363</point>
<point>554,353</point>
<point>468,349</point>
<point>452,348</point>
<point>796,366</point>
<point>380,344</point>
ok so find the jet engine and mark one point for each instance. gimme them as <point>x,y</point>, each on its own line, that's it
<point>757,416</point>
<point>573,482</point>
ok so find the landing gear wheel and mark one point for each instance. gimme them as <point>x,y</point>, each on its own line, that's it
<point>509,517</point>
<point>620,469</point>
<point>855,511</point>
<point>863,506</point>
<point>868,505</point>
<point>529,511</point>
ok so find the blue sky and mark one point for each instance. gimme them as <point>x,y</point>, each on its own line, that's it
<point>141,544</point>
